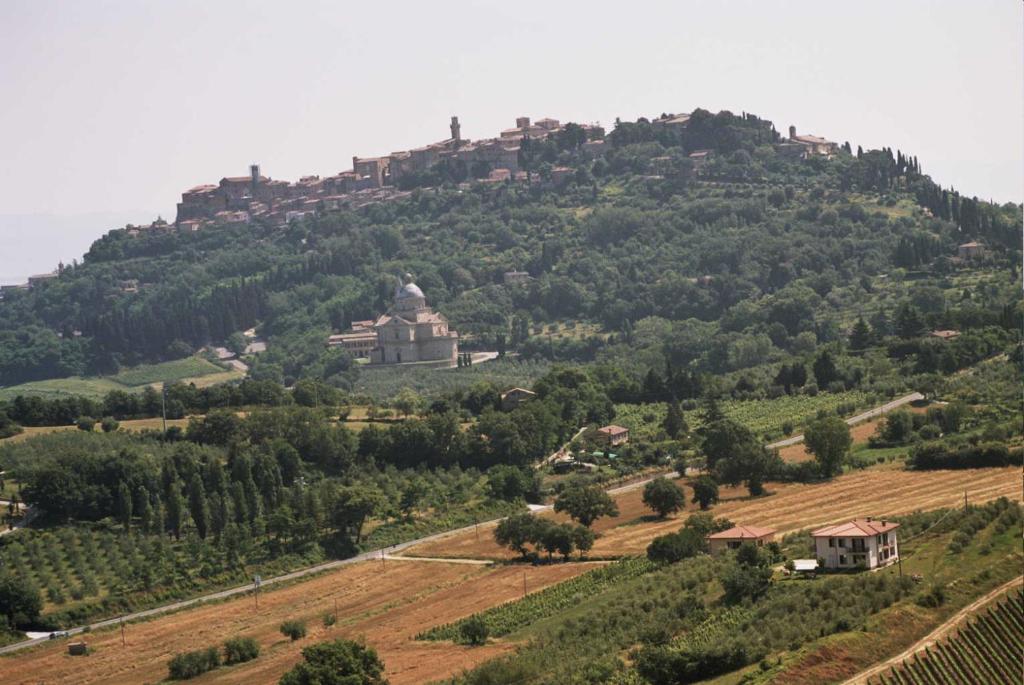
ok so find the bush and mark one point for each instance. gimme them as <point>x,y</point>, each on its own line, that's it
<point>192,664</point>
<point>85,423</point>
<point>329,620</point>
<point>674,547</point>
<point>109,424</point>
<point>933,598</point>
<point>238,650</point>
<point>474,631</point>
<point>341,662</point>
<point>294,629</point>
<point>951,455</point>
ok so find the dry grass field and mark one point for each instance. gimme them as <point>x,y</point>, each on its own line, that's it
<point>387,606</point>
<point>129,425</point>
<point>879,491</point>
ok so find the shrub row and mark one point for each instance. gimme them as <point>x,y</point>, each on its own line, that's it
<point>947,455</point>
<point>192,664</point>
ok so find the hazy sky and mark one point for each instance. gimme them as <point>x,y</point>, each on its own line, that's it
<point>117,107</point>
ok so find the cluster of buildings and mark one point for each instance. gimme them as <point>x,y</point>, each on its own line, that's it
<point>32,282</point>
<point>409,332</point>
<point>239,199</point>
<point>865,543</point>
<point>806,146</point>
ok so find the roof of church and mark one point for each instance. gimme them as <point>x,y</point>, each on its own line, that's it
<point>409,290</point>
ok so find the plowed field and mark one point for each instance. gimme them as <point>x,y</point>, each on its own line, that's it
<point>385,605</point>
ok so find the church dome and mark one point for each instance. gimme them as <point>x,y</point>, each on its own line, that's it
<point>409,290</point>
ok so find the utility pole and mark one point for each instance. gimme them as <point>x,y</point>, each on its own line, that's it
<point>163,405</point>
<point>123,644</point>
<point>899,561</point>
<point>256,582</point>
<point>965,500</point>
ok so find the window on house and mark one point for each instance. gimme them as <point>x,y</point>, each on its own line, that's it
<point>831,542</point>
<point>842,560</point>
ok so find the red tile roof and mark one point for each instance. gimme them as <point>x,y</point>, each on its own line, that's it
<point>742,533</point>
<point>613,430</point>
<point>857,528</point>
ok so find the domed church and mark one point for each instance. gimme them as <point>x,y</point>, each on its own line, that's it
<point>413,332</point>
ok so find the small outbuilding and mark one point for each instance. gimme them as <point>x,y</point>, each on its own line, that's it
<point>805,567</point>
<point>510,399</point>
<point>970,250</point>
<point>734,537</point>
<point>612,435</point>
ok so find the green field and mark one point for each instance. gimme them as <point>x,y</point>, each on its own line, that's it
<point>386,381</point>
<point>129,380</point>
<point>763,417</point>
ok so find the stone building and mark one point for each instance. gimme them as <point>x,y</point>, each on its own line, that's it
<point>413,332</point>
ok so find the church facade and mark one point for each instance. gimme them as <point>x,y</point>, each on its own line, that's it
<point>413,332</point>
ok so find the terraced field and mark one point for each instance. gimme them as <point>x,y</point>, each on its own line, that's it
<point>987,650</point>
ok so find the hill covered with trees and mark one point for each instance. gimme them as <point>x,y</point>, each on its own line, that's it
<point>712,267</point>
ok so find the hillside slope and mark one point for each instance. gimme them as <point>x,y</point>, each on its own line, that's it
<point>742,253</point>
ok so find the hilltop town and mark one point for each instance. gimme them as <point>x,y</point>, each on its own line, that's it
<point>241,199</point>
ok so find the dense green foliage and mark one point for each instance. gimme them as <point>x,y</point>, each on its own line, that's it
<point>741,261</point>
<point>293,629</point>
<point>950,454</point>
<point>664,497</point>
<point>238,650</point>
<point>586,503</point>
<point>341,662</point>
<point>193,664</point>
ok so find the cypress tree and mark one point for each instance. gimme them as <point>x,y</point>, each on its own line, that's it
<point>124,505</point>
<point>198,506</point>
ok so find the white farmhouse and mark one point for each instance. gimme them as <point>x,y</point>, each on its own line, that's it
<point>861,543</point>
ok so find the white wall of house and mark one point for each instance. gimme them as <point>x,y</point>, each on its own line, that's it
<point>857,552</point>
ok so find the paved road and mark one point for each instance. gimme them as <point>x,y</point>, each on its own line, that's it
<point>934,636</point>
<point>870,414</point>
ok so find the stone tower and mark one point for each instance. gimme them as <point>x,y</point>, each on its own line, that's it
<point>254,174</point>
<point>456,131</point>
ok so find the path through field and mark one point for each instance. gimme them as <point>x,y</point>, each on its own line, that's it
<point>936,635</point>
